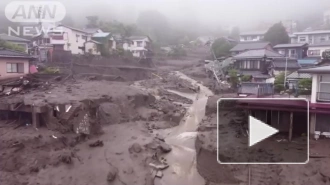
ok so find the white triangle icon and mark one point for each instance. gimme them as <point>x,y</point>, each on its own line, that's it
<point>259,131</point>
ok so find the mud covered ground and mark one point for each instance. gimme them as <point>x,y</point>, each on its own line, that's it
<point>315,172</point>
<point>126,149</point>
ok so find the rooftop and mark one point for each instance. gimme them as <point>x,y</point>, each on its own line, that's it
<point>137,37</point>
<point>283,63</point>
<point>249,46</point>
<point>105,34</point>
<point>312,32</point>
<point>6,37</point>
<point>13,54</point>
<point>316,70</point>
<point>91,30</point>
<point>253,33</point>
<point>296,75</point>
<point>259,53</point>
<point>290,45</point>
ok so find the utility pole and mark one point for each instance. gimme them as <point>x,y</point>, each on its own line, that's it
<point>286,67</point>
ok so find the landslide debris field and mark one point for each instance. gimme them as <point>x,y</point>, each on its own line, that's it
<point>156,127</point>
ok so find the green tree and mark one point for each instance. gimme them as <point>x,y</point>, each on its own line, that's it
<point>235,33</point>
<point>277,35</point>
<point>279,82</point>
<point>10,46</point>
<point>221,47</point>
<point>305,86</point>
<point>233,78</point>
<point>246,78</point>
<point>326,55</point>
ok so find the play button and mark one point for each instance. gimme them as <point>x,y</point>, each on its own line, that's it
<point>258,131</point>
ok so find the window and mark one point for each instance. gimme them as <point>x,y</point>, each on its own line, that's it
<point>139,43</point>
<point>302,39</point>
<point>322,39</point>
<point>292,53</point>
<point>324,88</point>
<point>249,64</point>
<point>15,68</point>
<point>84,37</point>
<point>254,37</point>
<point>314,53</point>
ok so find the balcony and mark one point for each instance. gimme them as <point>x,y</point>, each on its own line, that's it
<point>323,96</point>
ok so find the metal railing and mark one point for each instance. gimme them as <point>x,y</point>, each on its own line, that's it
<point>323,96</point>
<point>259,89</point>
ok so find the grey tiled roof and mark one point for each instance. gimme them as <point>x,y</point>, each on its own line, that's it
<point>250,46</point>
<point>15,54</point>
<point>289,45</point>
<point>6,37</point>
<point>253,33</point>
<point>320,69</point>
<point>282,63</point>
<point>296,75</point>
<point>259,53</point>
<point>91,30</point>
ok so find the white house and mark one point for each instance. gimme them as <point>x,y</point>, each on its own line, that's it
<point>138,45</point>
<point>311,37</point>
<point>252,36</point>
<point>316,50</point>
<point>320,99</point>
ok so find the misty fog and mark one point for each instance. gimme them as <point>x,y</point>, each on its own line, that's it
<point>206,15</point>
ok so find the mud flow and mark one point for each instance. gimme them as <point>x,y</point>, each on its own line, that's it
<point>131,123</point>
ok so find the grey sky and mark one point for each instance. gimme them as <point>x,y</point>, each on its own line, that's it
<point>211,13</point>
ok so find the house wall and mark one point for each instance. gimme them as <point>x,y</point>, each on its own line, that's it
<point>319,48</point>
<point>73,40</point>
<point>299,52</point>
<point>249,38</point>
<point>92,48</point>
<point>3,67</point>
<point>315,82</point>
<point>313,38</point>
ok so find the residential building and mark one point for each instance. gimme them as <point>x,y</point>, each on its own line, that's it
<point>293,78</point>
<point>107,41</point>
<point>297,51</point>
<point>245,46</point>
<point>316,50</point>
<point>252,36</point>
<point>138,45</point>
<point>310,37</point>
<point>24,43</point>
<point>309,61</point>
<point>320,98</point>
<point>93,47</point>
<point>13,64</point>
<point>263,64</point>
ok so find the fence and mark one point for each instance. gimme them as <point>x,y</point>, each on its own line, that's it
<point>254,88</point>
